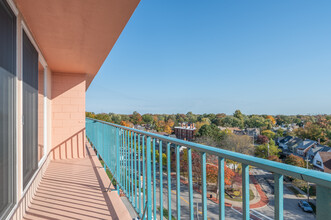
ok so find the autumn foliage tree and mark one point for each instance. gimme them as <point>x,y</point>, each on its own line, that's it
<point>261,139</point>
<point>295,161</point>
<point>272,119</point>
<point>274,158</point>
<point>127,124</point>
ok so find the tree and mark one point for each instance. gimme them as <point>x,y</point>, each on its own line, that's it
<point>274,158</point>
<point>126,124</point>
<point>280,132</point>
<point>230,121</point>
<point>272,119</point>
<point>311,131</point>
<point>268,133</point>
<point>261,139</point>
<point>239,115</point>
<point>266,150</point>
<point>255,121</point>
<point>209,131</point>
<point>136,118</point>
<point>295,161</point>
<point>238,143</point>
<point>147,118</point>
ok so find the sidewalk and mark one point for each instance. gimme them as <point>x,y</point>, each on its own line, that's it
<point>260,198</point>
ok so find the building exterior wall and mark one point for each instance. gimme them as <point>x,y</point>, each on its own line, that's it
<point>68,115</point>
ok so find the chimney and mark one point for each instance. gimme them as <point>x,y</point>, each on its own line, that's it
<point>319,140</point>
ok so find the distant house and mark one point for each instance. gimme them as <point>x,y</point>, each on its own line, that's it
<point>282,142</point>
<point>253,132</point>
<point>303,148</point>
<point>293,144</point>
<point>322,161</point>
<point>315,149</point>
<point>185,131</point>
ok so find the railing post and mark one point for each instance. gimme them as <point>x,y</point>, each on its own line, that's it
<point>144,172</point>
<point>190,181</point>
<point>204,185</point>
<point>221,200</point>
<point>169,180</point>
<point>245,191</point>
<point>178,181</point>
<point>161,179</point>
<point>139,177</point>
<point>117,159</point>
<point>323,203</point>
<point>154,180</point>
<point>278,196</point>
<point>149,179</point>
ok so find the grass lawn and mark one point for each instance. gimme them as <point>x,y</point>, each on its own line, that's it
<point>251,197</point>
<point>166,213</point>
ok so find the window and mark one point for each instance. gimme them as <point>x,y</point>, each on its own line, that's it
<point>30,110</point>
<point>7,108</point>
<point>319,163</point>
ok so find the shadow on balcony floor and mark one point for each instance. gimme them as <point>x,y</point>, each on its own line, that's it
<point>75,189</point>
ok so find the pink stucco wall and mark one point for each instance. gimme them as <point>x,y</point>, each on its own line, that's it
<point>68,115</point>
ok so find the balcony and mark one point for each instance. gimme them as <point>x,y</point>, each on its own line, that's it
<point>80,188</point>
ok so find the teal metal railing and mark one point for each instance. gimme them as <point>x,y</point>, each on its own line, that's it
<point>129,154</point>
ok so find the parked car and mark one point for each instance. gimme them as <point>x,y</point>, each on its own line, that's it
<point>305,206</point>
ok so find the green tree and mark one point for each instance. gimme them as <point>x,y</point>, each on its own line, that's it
<point>147,118</point>
<point>239,115</point>
<point>269,134</point>
<point>263,151</point>
<point>255,121</point>
<point>209,131</point>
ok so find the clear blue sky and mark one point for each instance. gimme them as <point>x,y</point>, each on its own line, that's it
<point>259,56</point>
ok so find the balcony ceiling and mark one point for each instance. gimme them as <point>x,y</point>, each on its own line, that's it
<point>76,36</point>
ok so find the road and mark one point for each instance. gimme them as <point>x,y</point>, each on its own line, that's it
<point>265,179</point>
<point>291,209</point>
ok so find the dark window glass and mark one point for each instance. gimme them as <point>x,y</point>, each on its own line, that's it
<point>7,108</point>
<point>30,110</point>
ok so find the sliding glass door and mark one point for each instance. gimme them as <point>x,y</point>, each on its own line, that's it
<point>30,110</point>
<point>7,109</point>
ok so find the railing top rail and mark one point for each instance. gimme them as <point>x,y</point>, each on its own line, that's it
<point>320,178</point>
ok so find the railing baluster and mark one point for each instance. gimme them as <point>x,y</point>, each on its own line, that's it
<point>117,160</point>
<point>144,175</point>
<point>221,201</point>
<point>131,166</point>
<point>178,181</point>
<point>278,196</point>
<point>121,159</point>
<point>190,181</point>
<point>169,180</point>
<point>154,180</point>
<point>139,177</point>
<point>161,179</point>
<point>135,171</point>
<point>128,167</point>
<point>126,162</point>
<point>149,179</point>
<point>245,191</point>
<point>204,186</point>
